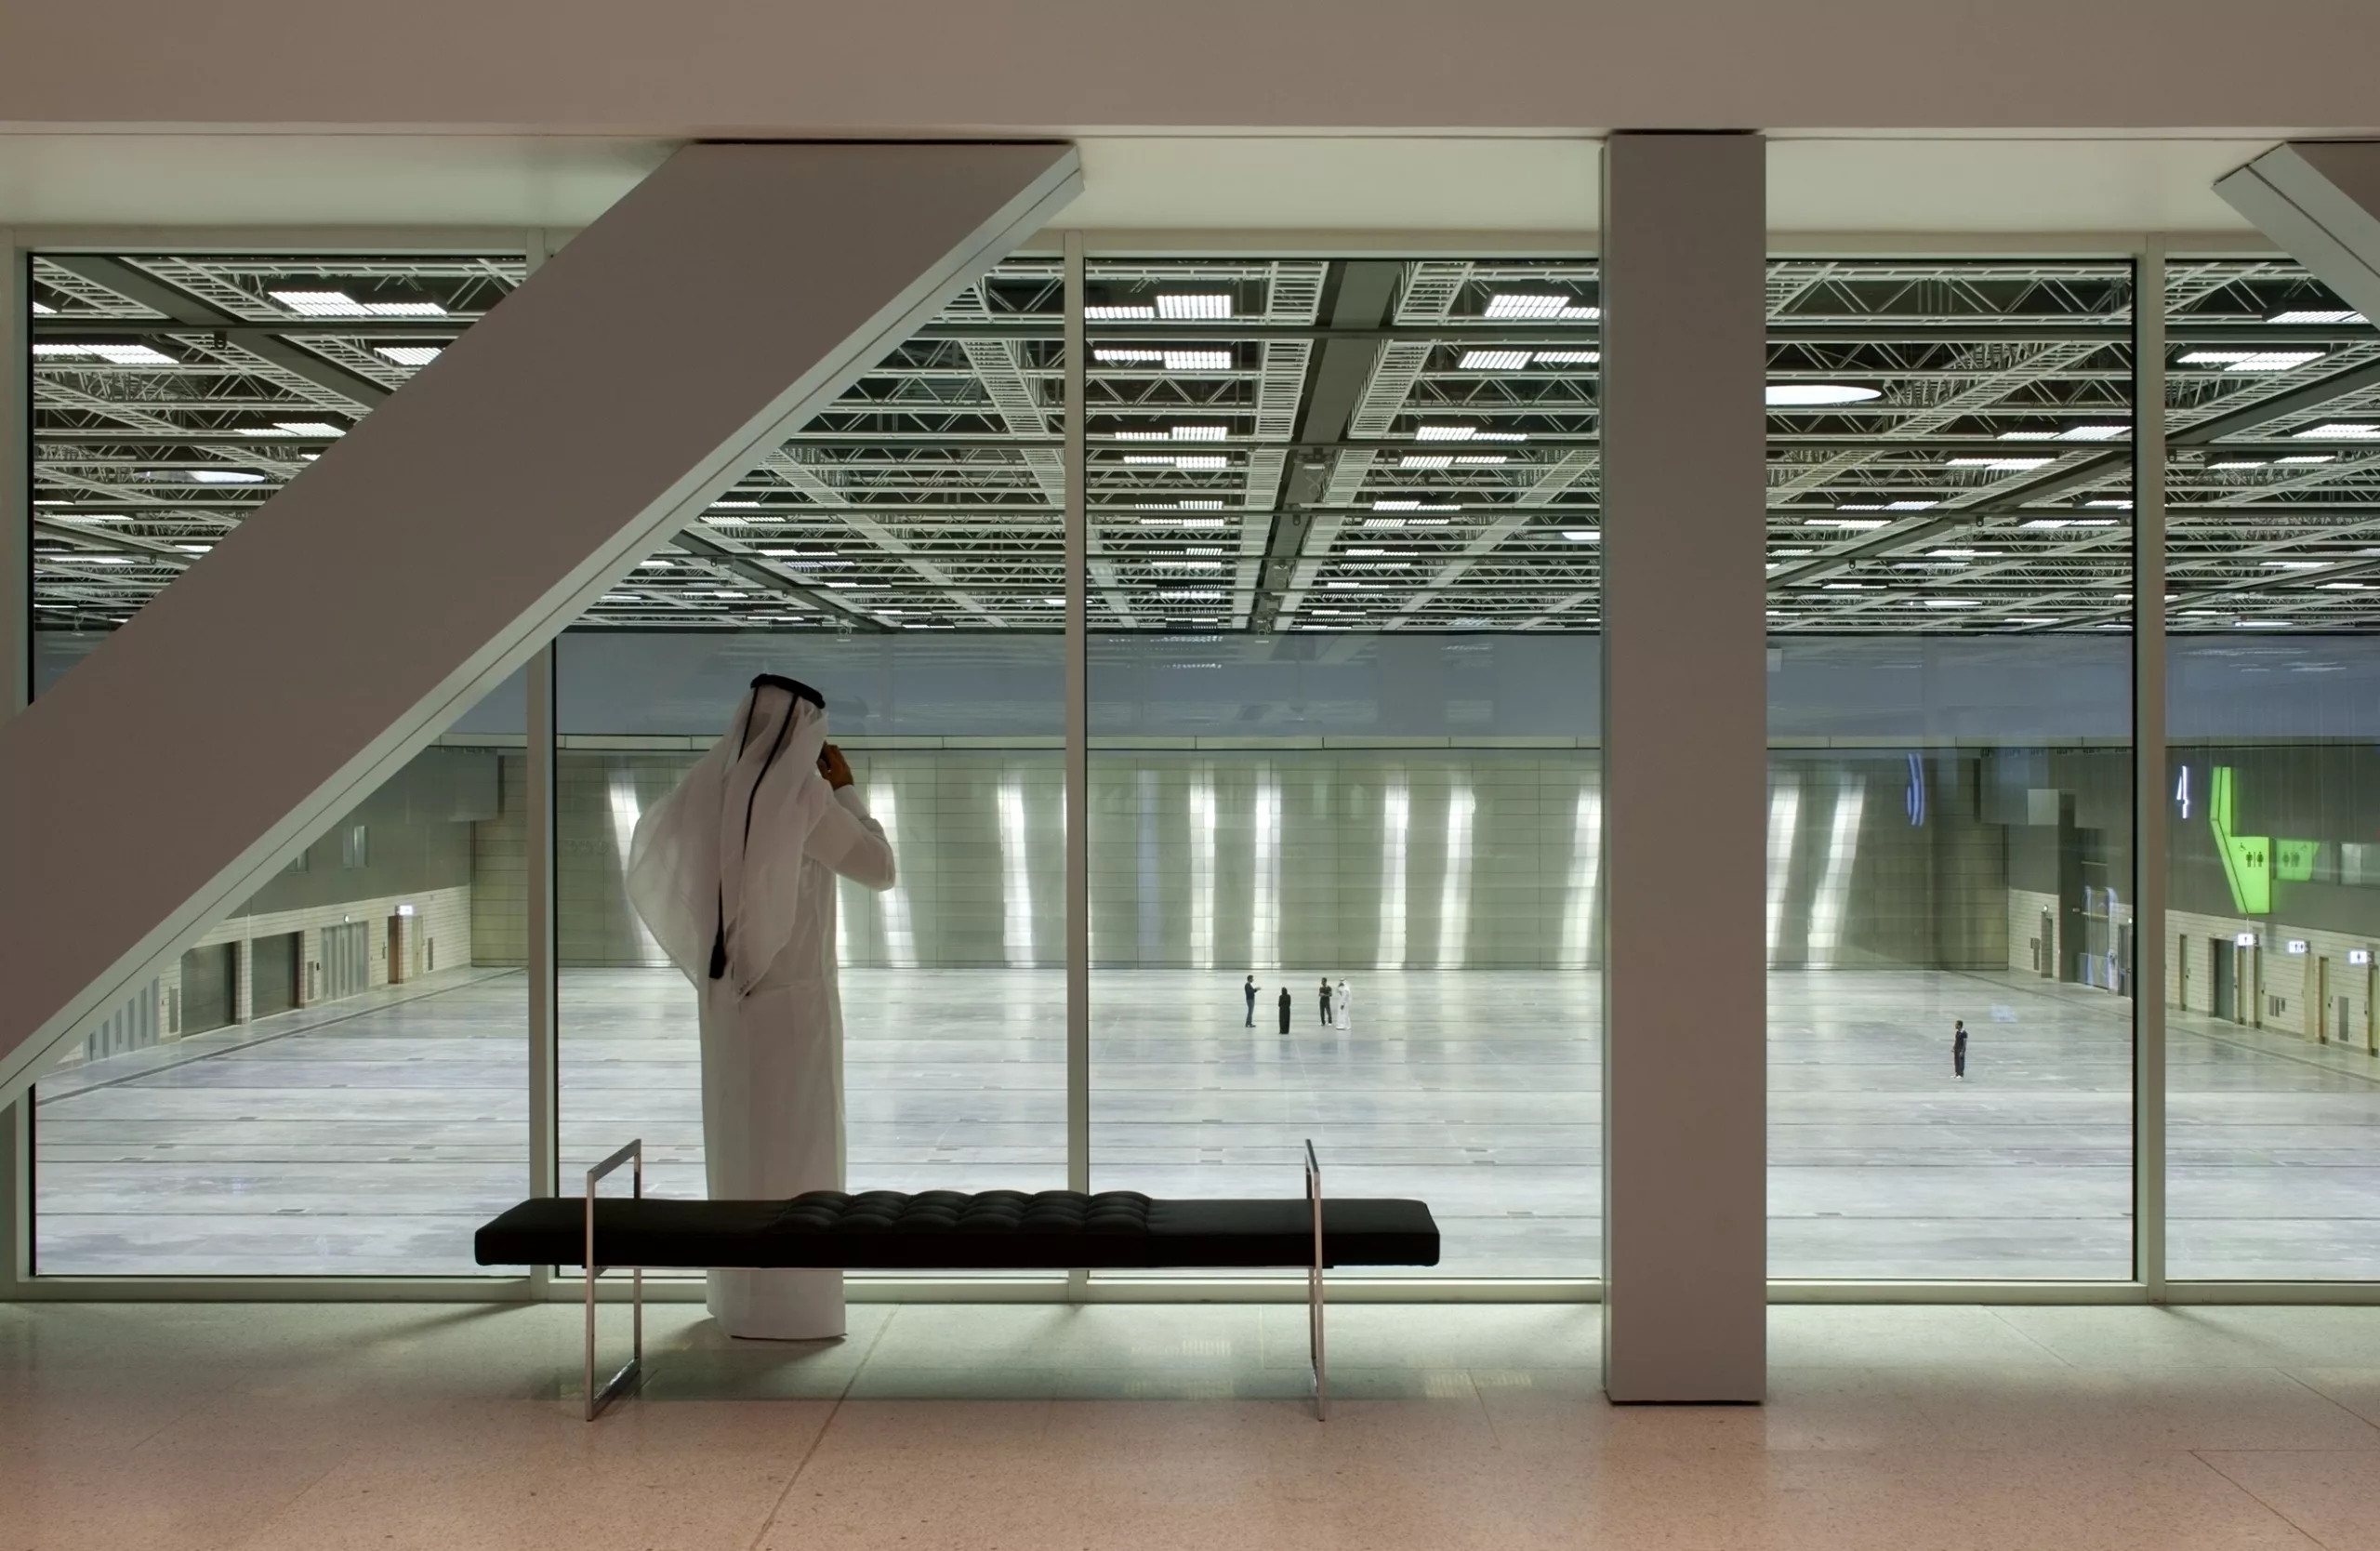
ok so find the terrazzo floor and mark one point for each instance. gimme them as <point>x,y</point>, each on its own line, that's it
<point>229,1427</point>
<point>370,1137</point>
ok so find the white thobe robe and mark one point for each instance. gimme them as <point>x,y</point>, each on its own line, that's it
<point>1343,1006</point>
<point>736,873</point>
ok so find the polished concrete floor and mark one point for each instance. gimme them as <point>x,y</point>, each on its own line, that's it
<point>226,1427</point>
<point>371,1136</point>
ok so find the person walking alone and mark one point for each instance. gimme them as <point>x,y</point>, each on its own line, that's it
<point>1285,1010</point>
<point>1344,1007</point>
<point>1959,1048</point>
<point>1326,1002</point>
<point>1250,988</point>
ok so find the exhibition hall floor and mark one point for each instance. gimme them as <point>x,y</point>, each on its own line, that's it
<point>370,1137</point>
<point>942,1427</point>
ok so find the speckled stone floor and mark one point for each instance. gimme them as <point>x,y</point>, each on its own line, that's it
<point>226,1427</point>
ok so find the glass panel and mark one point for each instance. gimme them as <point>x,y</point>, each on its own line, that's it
<point>174,395</point>
<point>332,1082</point>
<point>899,555</point>
<point>1949,730</point>
<point>1344,721</point>
<point>2272,1061</point>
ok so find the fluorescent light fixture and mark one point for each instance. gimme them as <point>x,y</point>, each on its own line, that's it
<point>1848,587</point>
<point>310,428</point>
<point>106,560</point>
<point>1583,535</point>
<point>120,355</point>
<point>1191,594</point>
<point>1480,460</point>
<point>1401,505</point>
<point>1427,461</point>
<point>1139,436</point>
<point>2094,433</point>
<point>201,549</point>
<point>658,564</point>
<point>2340,430</point>
<point>1963,554</point>
<point>1493,360</point>
<point>1789,395</point>
<point>404,310</point>
<point>408,356</point>
<point>1203,307</point>
<point>2017,463</point>
<point>2111,505</point>
<point>1119,312</point>
<point>1376,551</point>
<point>1910,506</point>
<point>727,594</point>
<point>732,506</point>
<point>2238,463</point>
<point>2260,624</point>
<point>1199,433</point>
<point>1860,523</point>
<point>1567,357</point>
<point>2095,521</point>
<point>1793,552</point>
<point>1444,433</point>
<point>1343,585</point>
<point>1189,564</point>
<point>2315,457</point>
<point>1124,355</point>
<point>43,309</point>
<point>1525,304</point>
<point>2029,435</point>
<point>2317,315</point>
<point>842,584</point>
<point>1178,460</point>
<point>2029,620</point>
<point>2296,564</point>
<point>2344,587</point>
<point>2251,359</point>
<point>1953,603</point>
<point>225,476</point>
<point>320,304</point>
<point>1341,613</point>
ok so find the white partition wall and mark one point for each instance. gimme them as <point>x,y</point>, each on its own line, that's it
<point>1685,723</point>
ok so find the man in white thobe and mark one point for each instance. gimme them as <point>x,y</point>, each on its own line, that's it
<point>1343,1007</point>
<point>734,873</point>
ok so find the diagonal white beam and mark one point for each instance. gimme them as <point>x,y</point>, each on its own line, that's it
<point>564,436</point>
<point>2320,201</point>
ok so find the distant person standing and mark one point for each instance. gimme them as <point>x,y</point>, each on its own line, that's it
<point>1326,1002</point>
<point>1344,1007</point>
<point>1285,1009</point>
<point>1959,1048</point>
<point>1250,988</point>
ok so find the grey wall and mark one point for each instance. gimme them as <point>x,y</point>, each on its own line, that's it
<point>418,836</point>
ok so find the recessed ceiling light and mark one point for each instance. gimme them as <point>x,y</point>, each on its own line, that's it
<point>408,356</point>
<point>120,355</point>
<point>1194,307</point>
<point>1493,360</point>
<point>1525,304</point>
<point>1805,393</point>
<point>2317,315</point>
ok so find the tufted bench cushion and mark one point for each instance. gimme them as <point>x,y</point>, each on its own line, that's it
<point>885,1230</point>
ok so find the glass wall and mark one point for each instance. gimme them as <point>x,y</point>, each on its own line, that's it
<point>1343,722</point>
<point>332,1079</point>
<point>2272,1063</point>
<point>1950,769</point>
<point>901,553</point>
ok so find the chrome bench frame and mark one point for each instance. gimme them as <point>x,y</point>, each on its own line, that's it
<point>631,1372</point>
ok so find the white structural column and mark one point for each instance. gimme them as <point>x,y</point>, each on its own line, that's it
<point>598,409</point>
<point>1685,756</point>
<point>2149,790</point>
<point>16,660</point>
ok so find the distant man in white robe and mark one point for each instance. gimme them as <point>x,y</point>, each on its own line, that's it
<point>734,873</point>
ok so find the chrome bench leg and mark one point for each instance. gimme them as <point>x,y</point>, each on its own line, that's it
<point>1314,1292</point>
<point>633,1370</point>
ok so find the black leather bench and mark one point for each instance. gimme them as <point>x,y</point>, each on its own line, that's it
<point>1006,1230</point>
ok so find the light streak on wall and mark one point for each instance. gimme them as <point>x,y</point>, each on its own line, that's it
<point>1202,872</point>
<point>627,810</point>
<point>1397,818</point>
<point>1264,905</point>
<point>1016,878</point>
<point>1577,948</point>
<point>1835,889</point>
<point>1454,896</point>
<point>1784,822</point>
<point>900,940</point>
